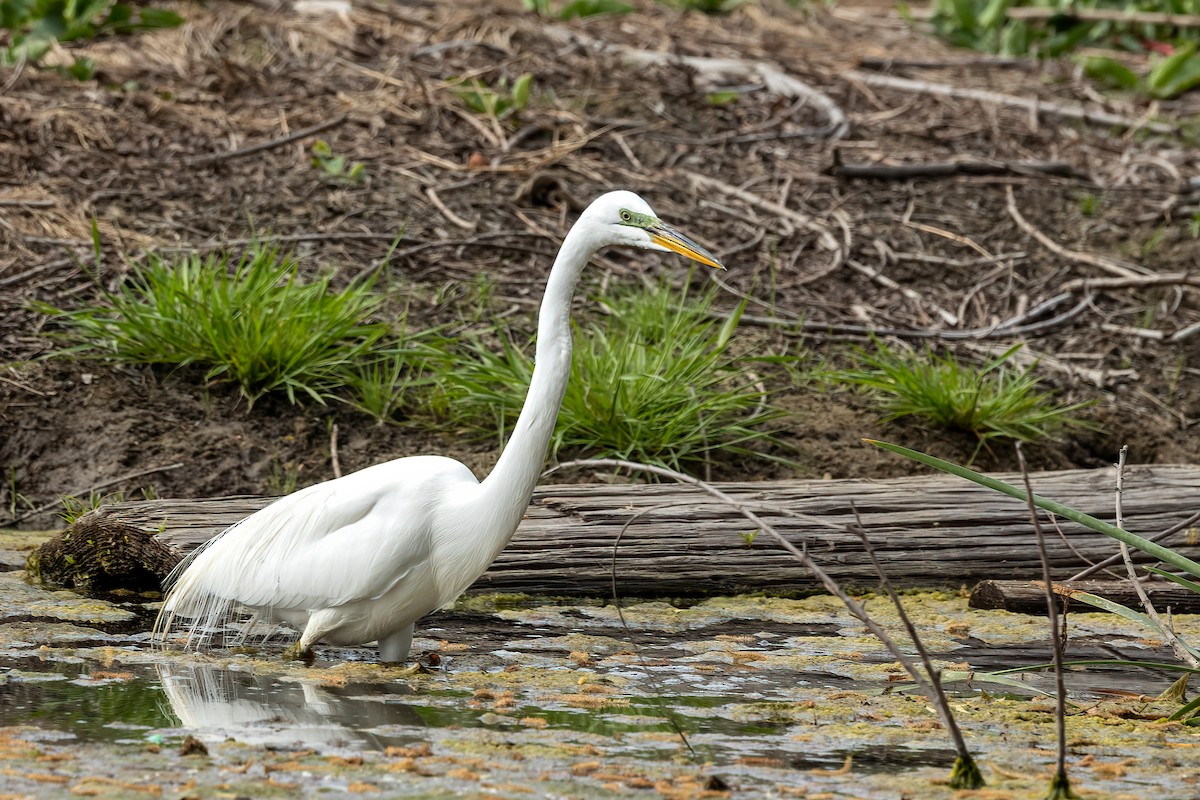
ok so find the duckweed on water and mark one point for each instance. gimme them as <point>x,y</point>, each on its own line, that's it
<point>773,695</point>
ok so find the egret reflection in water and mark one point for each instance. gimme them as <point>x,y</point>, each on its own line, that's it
<point>215,703</point>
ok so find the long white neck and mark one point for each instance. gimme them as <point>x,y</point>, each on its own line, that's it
<point>505,493</point>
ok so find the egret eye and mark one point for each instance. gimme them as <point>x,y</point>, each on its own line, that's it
<point>626,216</point>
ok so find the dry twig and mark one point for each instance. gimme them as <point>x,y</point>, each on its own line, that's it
<point>1106,264</point>
<point>1034,106</point>
<point>1179,648</point>
<point>1057,637</point>
<point>826,238</point>
<point>90,490</point>
<point>334,463</point>
<point>268,145</point>
<point>1132,281</point>
<point>1157,538</point>
<point>941,702</point>
<point>1106,15</point>
<point>949,169</point>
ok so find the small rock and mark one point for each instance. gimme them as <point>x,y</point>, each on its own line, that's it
<point>192,747</point>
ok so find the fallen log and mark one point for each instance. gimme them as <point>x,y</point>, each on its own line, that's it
<point>1029,597</point>
<point>928,530</point>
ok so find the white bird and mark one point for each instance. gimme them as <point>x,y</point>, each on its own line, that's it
<point>361,558</point>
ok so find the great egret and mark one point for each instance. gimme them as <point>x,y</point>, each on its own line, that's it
<point>362,557</point>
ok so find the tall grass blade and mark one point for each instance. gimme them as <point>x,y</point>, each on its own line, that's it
<point>1186,711</point>
<point>1184,582</point>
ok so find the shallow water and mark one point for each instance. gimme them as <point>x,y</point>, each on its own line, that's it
<point>747,695</point>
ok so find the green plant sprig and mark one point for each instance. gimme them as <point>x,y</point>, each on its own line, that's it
<point>1173,62</point>
<point>336,167</point>
<point>35,25</point>
<point>498,101</point>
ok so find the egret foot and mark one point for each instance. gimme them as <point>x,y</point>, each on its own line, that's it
<point>416,668</point>
<point>298,653</point>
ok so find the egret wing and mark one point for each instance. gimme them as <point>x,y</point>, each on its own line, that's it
<point>348,539</point>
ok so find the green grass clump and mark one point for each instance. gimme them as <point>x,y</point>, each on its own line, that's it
<point>991,401</point>
<point>253,322</point>
<point>498,101</point>
<point>707,6</point>
<point>33,26</point>
<point>1169,52</point>
<point>393,380</point>
<point>655,380</point>
<point>574,9</point>
<point>337,168</point>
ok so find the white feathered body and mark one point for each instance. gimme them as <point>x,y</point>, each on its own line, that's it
<point>351,560</point>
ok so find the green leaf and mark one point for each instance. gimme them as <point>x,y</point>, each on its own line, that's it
<point>1177,691</point>
<point>1100,526</point>
<point>1120,610</point>
<point>993,14</point>
<point>1175,74</point>
<point>152,18</point>
<point>1186,711</point>
<point>718,99</point>
<point>950,675</point>
<point>730,325</point>
<point>1110,72</point>
<point>520,91</point>
<point>591,8</point>
<point>1104,604</point>
<point>1184,582</point>
<point>81,69</point>
<point>1166,666</point>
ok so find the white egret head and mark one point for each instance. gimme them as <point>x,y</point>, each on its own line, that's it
<point>623,218</point>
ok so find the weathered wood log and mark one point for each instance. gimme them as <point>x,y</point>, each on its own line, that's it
<point>1029,597</point>
<point>929,530</point>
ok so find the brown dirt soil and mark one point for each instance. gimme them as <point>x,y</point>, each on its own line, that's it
<point>144,151</point>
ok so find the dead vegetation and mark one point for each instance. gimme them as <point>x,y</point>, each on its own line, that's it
<point>854,173</point>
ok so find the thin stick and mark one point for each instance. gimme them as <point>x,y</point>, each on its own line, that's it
<point>886,282</point>
<point>1181,651</point>
<point>1090,259</point>
<point>1107,15</point>
<point>656,687</point>
<point>1060,778</point>
<point>446,212</point>
<point>940,701</point>
<point>18,202</point>
<point>285,238</point>
<point>256,148</point>
<point>1162,279</point>
<point>1006,329</point>
<point>1156,538</point>
<point>1033,105</point>
<point>102,485</point>
<point>29,273</point>
<point>18,68</point>
<point>950,169</point>
<point>333,453</point>
<point>808,223</point>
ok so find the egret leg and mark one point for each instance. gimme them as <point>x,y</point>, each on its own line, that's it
<point>395,646</point>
